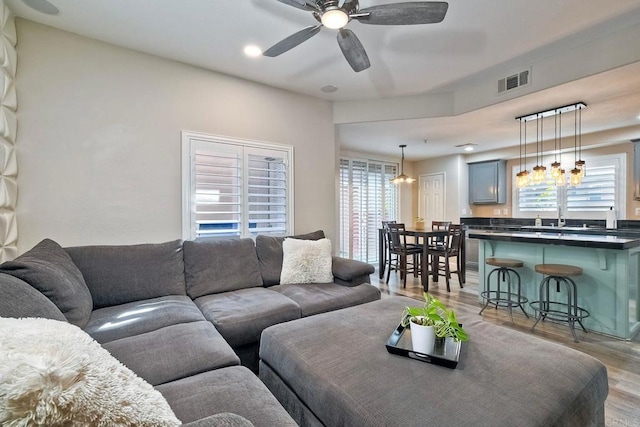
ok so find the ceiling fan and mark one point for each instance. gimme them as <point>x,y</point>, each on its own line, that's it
<point>336,14</point>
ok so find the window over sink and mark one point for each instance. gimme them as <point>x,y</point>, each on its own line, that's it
<point>603,186</point>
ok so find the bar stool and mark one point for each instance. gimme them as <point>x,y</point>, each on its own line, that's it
<point>558,311</point>
<point>498,297</point>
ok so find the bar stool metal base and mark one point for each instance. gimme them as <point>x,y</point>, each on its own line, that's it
<point>568,312</point>
<point>500,298</point>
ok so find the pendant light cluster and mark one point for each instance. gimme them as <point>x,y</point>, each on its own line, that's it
<point>539,171</point>
<point>402,177</point>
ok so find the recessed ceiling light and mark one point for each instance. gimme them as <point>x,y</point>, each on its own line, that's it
<point>329,89</point>
<point>252,51</point>
<point>42,6</point>
<point>468,148</point>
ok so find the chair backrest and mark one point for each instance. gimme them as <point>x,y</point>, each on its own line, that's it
<point>396,237</point>
<point>440,225</point>
<point>385,223</point>
<point>455,238</point>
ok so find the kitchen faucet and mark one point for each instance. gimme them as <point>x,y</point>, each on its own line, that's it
<point>561,222</point>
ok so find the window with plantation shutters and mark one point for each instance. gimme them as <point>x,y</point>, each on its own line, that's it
<point>538,198</point>
<point>367,198</point>
<point>235,188</point>
<point>602,187</point>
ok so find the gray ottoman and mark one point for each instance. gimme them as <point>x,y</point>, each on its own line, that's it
<point>333,369</point>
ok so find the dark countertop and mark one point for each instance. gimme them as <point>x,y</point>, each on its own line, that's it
<point>566,237</point>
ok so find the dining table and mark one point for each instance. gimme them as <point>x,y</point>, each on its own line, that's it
<point>421,235</point>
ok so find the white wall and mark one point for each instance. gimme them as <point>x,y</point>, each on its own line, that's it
<point>99,139</point>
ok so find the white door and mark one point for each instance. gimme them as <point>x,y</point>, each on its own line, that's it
<point>431,196</point>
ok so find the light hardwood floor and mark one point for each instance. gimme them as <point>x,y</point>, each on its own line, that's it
<point>622,358</point>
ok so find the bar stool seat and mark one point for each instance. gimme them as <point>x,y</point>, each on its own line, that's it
<point>499,297</point>
<point>560,270</point>
<point>568,312</point>
<point>504,262</point>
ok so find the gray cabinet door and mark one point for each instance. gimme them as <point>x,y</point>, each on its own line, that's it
<point>487,182</point>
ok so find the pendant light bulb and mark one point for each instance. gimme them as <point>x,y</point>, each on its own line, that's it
<point>555,170</point>
<point>580,165</point>
<point>575,178</point>
<point>562,178</point>
<point>539,175</point>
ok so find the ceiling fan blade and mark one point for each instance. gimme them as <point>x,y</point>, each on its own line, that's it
<point>410,13</point>
<point>353,51</point>
<point>292,41</point>
<point>301,4</point>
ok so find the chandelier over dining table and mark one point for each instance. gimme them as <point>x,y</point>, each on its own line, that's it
<point>539,171</point>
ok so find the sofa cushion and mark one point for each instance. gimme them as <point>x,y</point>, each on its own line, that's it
<point>49,269</point>
<point>54,374</point>
<point>241,315</point>
<point>120,274</point>
<point>317,298</point>
<point>269,250</point>
<point>134,318</point>
<point>350,272</point>
<point>306,261</point>
<point>174,352</point>
<point>235,389</point>
<point>218,265</point>
<point>224,419</point>
<point>19,299</point>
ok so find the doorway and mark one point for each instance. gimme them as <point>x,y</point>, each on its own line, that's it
<point>431,196</point>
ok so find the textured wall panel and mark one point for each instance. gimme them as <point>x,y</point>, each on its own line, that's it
<point>8,129</point>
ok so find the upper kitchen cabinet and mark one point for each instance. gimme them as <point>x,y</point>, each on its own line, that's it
<point>488,182</point>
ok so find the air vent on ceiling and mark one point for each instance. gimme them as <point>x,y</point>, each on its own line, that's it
<point>523,78</point>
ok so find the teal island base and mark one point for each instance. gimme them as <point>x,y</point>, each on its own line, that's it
<point>608,288</point>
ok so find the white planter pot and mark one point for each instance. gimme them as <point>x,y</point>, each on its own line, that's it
<point>422,338</point>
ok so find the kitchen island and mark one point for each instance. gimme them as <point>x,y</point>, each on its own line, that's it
<point>608,288</point>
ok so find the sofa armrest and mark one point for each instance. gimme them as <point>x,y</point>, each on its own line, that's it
<point>350,272</point>
<point>225,419</point>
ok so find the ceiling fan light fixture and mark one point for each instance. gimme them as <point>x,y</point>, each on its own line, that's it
<point>334,18</point>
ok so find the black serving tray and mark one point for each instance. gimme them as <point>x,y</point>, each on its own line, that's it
<point>400,343</point>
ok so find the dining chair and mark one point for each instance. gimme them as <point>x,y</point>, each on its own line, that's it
<point>397,243</point>
<point>441,254</point>
<point>389,259</point>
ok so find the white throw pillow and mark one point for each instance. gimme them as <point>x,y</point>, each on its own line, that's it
<point>306,261</point>
<point>54,374</point>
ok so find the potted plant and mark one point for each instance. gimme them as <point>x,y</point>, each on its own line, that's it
<point>431,320</point>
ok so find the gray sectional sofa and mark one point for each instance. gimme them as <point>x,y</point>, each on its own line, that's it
<point>184,316</point>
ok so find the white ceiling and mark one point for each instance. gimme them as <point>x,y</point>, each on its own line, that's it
<point>405,60</point>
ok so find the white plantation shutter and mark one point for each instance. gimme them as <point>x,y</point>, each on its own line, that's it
<point>538,198</point>
<point>267,179</point>
<point>597,191</point>
<point>217,176</point>
<point>235,188</point>
<point>366,199</point>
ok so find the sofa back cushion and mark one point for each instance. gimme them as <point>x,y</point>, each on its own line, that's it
<point>49,269</point>
<point>269,250</point>
<point>19,299</point>
<point>121,274</point>
<point>212,266</point>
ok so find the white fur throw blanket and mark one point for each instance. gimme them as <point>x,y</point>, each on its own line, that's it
<point>54,374</point>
